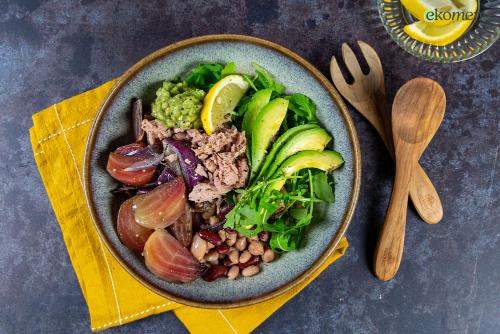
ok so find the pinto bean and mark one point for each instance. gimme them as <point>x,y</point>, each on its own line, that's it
<point>222,235</point>
<point>241,244</point>
<point>230,231</point>
<point>214,220</point>
<point>250,271</point>
<point>253,260</point>
<point>234,256</point>
<point>231,237</point>
<point>245,256</point>
<point>233,272</point>
<point>256,248</point>
<point>268,255</point>
<point>212,256</point>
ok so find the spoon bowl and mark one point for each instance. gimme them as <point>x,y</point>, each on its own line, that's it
<point>417,111</point>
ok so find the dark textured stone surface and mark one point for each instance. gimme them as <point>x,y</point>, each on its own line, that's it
<point>449,280</point>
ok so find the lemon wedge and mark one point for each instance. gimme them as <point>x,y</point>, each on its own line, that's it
<point>419,8</point>
<point>429,34</point>
<point>221,100</point>
<point>442,35</point>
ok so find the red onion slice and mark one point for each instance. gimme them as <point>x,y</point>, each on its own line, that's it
<point>166,175</point>
<point>150,157</point>
<point>188,161</point>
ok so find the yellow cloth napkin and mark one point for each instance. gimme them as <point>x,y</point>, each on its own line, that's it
<point>113,296</point>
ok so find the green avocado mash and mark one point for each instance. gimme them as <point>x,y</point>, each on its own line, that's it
<point>178,106</point>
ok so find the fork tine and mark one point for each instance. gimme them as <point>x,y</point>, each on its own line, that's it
<point>351,62</point>
<point>371,57</point>
<point>338,78</point>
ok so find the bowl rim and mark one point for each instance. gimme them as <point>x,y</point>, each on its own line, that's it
<point>129,74</point>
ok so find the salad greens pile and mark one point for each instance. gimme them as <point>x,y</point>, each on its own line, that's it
<point>274,201</point>
<point>204,76</point>
<point>292,210</point>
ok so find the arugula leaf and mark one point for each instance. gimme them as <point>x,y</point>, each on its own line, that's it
<point>263,80</point>
<point>279,226</point>
<point>287,241</point>
<point>249,216</point>
<point>299,213</point>
<point>228,70</point>
<point>256,208</point>
<point>290,238</point>
<point>242,106</point>
<point>249,81</point>
<point>204,76</point>
<point>304,109</point>
<point>306,220</point>
<point>249,233</point>
<point>322,188</point>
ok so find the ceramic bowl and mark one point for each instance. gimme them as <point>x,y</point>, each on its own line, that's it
<point>111,128</point>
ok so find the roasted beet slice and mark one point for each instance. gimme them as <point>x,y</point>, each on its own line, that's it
<point>161,206</point>
<point>131,234</point>
<point>169,260</point>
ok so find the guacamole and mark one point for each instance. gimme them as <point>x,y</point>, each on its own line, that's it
<point>178,106</point>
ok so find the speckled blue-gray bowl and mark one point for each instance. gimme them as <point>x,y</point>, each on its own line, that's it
<point>111,128</point>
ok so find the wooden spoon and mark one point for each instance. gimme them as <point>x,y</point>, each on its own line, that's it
<point>417,112</point>
<point>367,95</point>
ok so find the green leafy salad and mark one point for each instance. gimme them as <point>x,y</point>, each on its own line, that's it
<point>290,167</point>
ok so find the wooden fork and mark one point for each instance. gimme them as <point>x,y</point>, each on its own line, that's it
<point>367,95</point>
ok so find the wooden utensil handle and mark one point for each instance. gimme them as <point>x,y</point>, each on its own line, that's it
<point>424,197</point>
<point>423,194</point>
<point>389,250</point>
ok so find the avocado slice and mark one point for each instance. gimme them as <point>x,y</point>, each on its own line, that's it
<point>326,161</point>
<point>280,142</point>
<point>314,139</point>
<point>257,102</point>
<point>266,126</point>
